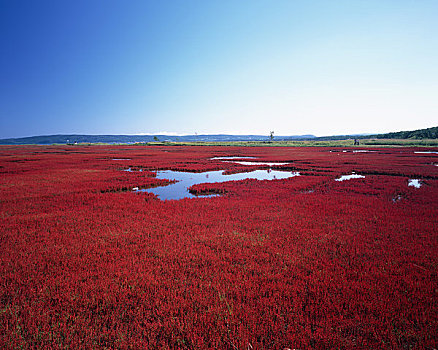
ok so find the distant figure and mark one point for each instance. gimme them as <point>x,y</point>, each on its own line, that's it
<point>356,142</point>
<point>271,136</point>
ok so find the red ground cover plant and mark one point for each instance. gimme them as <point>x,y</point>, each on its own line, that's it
<point>304,263</point>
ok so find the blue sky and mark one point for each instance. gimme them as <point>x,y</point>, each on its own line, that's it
<point>237,67</point>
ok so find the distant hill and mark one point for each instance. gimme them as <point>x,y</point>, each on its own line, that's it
<point>71,139</point>
<point>430,133</point>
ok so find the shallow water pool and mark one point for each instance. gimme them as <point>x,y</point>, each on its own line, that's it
<point>179,189</point>
<point>349,177</point>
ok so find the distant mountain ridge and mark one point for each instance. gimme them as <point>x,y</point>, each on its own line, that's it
<point>429,133</point>
<point>71,139</point>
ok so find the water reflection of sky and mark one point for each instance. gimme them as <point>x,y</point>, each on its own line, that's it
<point>414,182</point>
<point>256,163</point>
<point>349,177</point>
<point>232,157</point>
<point>179,189</point>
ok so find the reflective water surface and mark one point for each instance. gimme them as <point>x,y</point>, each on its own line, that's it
<point>232,160</point>
<point>232,157</point>
<point>179,190</point>
<point>349,177</point>
<point>354,151</point>
<point>414,182</point>
<point>131,170</point>
<point>255,163</point>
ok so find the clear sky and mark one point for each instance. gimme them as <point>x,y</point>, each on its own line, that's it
<point>238,67</point>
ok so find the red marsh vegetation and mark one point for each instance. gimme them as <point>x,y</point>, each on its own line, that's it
<point>300,263</point>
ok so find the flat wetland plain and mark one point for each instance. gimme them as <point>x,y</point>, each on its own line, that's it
<point>312,143</point>
<point>305,262</point>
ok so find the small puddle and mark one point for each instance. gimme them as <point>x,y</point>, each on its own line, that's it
<point>414,182</point>
<point>231,160</point>
<point>233,157</point>
<point>349,177</point>
<point>179,189</point>
<point>132,170</point>
<point>354,151</point>
<point>256,163</point>
<point>397,198</point>
<point>121,159</point>
<point>426,152</point>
